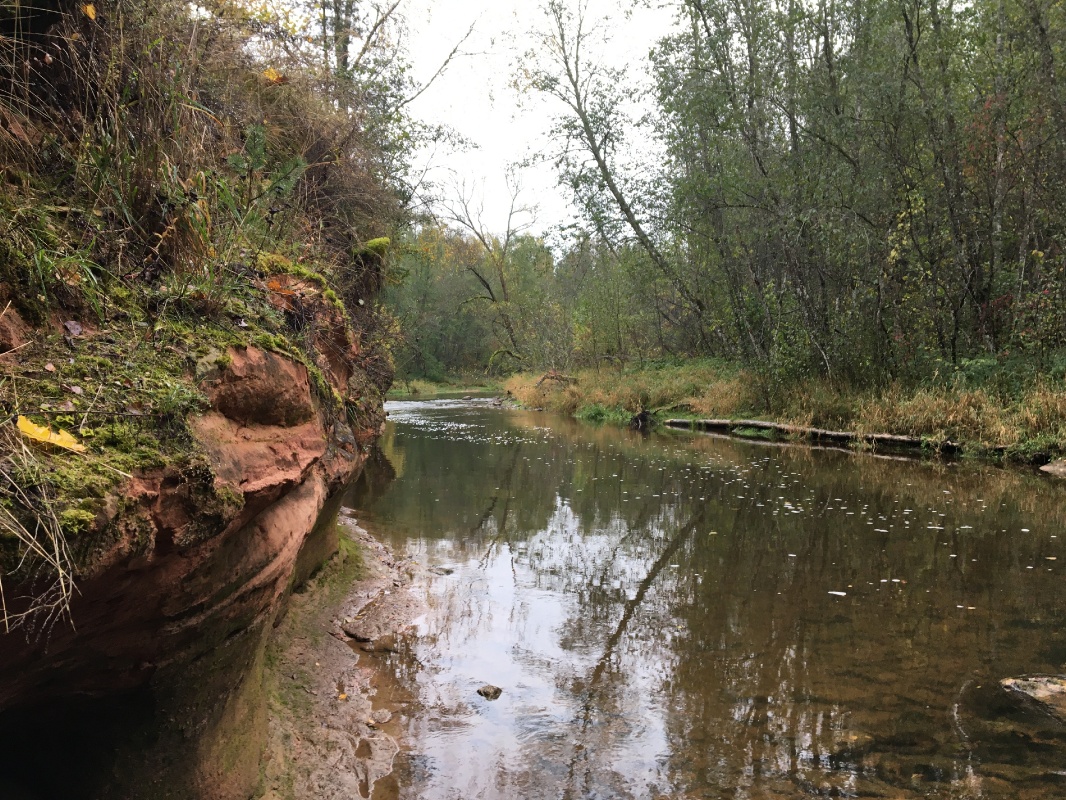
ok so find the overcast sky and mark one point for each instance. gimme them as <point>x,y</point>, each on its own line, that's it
<point>475,96</point>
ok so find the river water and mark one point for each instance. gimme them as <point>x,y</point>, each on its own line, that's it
<point>690,616</point>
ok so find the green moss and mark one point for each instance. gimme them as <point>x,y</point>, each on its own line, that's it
<point>74,521</point>
<point>378,247</point>
<point>231,500</point>
<point>333,299</point>
<point>272,263</point>
<point>272,342</point>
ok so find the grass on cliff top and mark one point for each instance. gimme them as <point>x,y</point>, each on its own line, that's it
<point>1026,422</point>
<point>124,383</point>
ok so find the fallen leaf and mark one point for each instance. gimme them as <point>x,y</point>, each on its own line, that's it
<point>39,433</point>
<point>89,10</point>
<point>274,77</point>
<point>342,696</point>
<point>73,328</point>
<point>77,390</point>
<point>50,367</point>
<point>277,287</point>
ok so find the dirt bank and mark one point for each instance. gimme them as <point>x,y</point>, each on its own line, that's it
<point>335,713</point>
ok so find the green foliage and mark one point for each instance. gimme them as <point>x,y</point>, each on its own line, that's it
<point>846,194</point>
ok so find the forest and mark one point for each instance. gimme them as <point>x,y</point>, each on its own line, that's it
<point>863,194</point>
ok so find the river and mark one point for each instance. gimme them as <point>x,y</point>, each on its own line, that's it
<point>690,616</point>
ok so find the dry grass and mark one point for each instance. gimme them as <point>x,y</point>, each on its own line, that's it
<point>29,524</point>
<point>703,388</point>
<point>1029,425</point>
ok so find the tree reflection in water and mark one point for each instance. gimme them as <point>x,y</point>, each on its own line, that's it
<point>659,613</point>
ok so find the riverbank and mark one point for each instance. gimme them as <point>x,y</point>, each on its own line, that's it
<point>334,726</point>
<point>1026,425</point>
<point>418,389</point>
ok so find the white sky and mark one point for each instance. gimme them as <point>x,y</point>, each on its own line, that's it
<point>475,96</point>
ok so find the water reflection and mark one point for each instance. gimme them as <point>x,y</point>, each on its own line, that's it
<point>700,617</point>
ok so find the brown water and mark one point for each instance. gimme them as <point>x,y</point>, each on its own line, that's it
<point>696,617</point>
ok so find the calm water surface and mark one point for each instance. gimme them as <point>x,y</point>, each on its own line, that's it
<point>696,617</point>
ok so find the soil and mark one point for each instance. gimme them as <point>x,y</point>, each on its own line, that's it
<point>335,710</point>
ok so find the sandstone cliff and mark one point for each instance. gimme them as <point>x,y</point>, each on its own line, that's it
<point>186,574</point>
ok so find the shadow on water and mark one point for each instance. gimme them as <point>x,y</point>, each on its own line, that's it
<point>699,617</point>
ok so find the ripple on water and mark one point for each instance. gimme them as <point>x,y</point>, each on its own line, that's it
<point>700,617</point>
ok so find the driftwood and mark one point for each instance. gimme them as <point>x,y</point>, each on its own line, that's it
<point>814,434</point>
<point>641,422</point>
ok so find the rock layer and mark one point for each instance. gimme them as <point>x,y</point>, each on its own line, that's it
<point>180,596</point>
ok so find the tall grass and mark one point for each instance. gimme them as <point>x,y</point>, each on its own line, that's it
<point>177,152</point>
<point>1026,422</point>
<point>29,524</point>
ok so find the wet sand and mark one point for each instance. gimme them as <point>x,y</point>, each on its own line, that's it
<point>335,710</point>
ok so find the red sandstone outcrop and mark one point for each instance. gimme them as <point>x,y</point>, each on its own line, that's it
<point>189,579</point>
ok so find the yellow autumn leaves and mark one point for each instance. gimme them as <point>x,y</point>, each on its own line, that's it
<point>274,77</point>
<point>43,435</point>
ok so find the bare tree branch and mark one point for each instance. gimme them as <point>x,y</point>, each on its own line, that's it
<point>443,67</point>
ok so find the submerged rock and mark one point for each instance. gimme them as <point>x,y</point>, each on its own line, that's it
<point>1047,692</point>
<point>1056,468</point>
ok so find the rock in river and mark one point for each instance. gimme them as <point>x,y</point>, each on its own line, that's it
<point>490,692</point>
<point>1048,692</point>
<point>1056,468</point>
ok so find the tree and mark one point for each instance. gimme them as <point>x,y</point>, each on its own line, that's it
<point>493,271</point>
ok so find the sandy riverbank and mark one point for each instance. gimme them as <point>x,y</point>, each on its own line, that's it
<point>335,712</point>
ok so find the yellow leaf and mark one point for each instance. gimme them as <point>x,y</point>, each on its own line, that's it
<point>273,76</point>
<point>47,436</point>
<point>89,10</point>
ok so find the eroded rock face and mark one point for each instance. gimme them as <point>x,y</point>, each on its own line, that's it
<point>14,333</point>
<point>183,591</point>
<point>257,387</point>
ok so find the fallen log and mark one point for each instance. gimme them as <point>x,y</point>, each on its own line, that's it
<point>814,434</point>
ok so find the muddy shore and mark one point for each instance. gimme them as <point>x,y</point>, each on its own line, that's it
<point>335,712</point>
